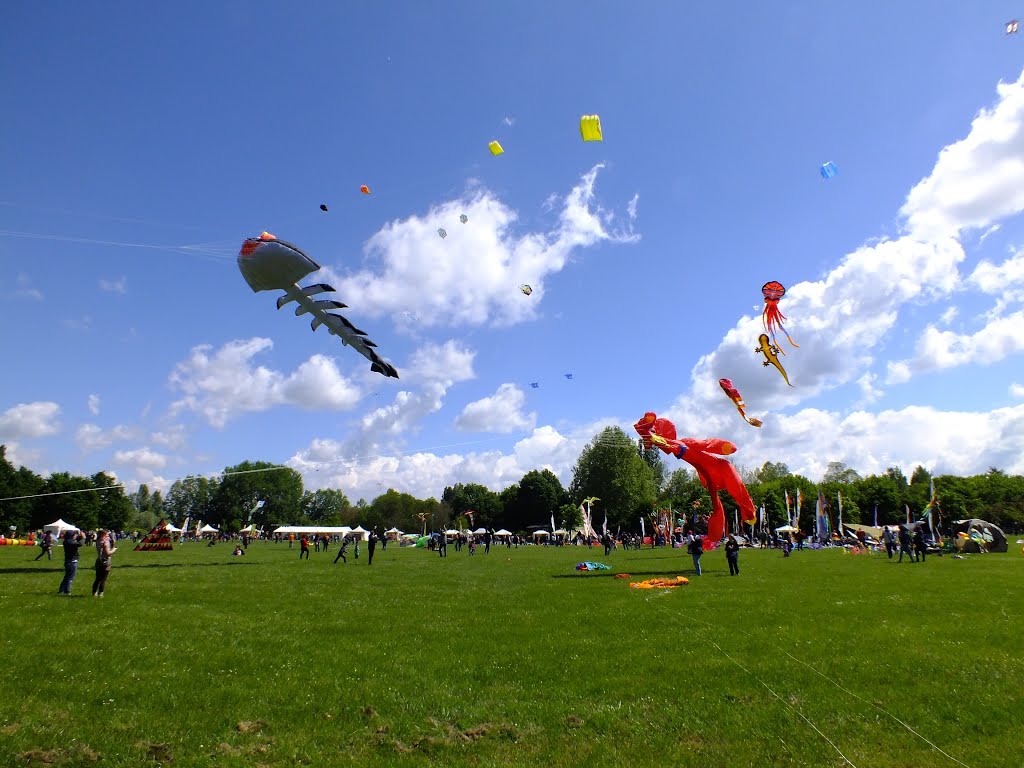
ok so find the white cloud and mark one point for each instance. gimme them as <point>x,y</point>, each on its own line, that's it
<point>898,372</point>
<point>949,316</point>
<point>945,349</point>
<point>976,180</point>
<point>869,392</point>
<point>94,405</point>
<point>1017,390</point>
<point>1004,280</point>
<point>141,457</point>
<point>223,384</point>
<point>91,437</point>
<point>29,420</point>
<point>501,412</point>
<point>114,286</point>
<point>173,437</point>
<point>25,290</point>
<point>509,121</point>
<point>631,206</point>
<point>472,276</point>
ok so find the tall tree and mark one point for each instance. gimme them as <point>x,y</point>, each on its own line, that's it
<point>610,469</point>
<point>243,486</point>
<point>16,513</point>
<point>190,498</point>
<point>324,506</point>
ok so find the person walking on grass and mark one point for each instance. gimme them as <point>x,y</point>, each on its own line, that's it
<point>46,546</point>
<point>72,544</point>
<point>696,548</point>
<point>104,553</point>
<point>919,545</point>
<point>304,547</point>
<point>905,546</point>
<point>732,555</point>
<point>888,541</point>
<point>341,551</point>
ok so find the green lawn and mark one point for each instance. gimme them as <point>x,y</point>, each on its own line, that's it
<point>195,658</point>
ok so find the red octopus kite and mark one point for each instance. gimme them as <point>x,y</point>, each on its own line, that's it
<point>715,473</point>
<point>772,317</point>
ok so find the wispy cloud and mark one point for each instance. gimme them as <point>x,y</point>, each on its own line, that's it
<point>114,286</point>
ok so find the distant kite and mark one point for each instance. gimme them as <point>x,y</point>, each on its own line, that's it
<point>526,289</point>
<point>463,218</point>
<point>323,207</point>
<point>590,128</point>
<point>1011,26</point>
<point>535,385</point>
<point>442,233</point>
<point>568,376</point>
<point>828,170</point>
<point>496,148</point>
<point>269,264</point>
<point>364,189</point>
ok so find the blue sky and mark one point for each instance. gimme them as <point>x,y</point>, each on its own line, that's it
<point>183,130</point>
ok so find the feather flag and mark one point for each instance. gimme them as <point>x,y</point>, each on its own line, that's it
<point>789,514</point>
<point>876,515</point>
<point>799,498</point>
<point>643,532</point>
<point>907,507</point>
<point>552,522</point>
<point>839,498</point>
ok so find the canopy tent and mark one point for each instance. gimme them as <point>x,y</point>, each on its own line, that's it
<point>171,528</point>
<point>540,533</point>
<point>208,529</point>
<point>452,532</point>
<point>560,532</point>
<point>786,529</point>
<point>503,532</point>
<point>58,527</point>
<point>392,533</point>
<point>341,530</point>
<point>480,531</point>
<point>992,534</point>
<point>361,532</point>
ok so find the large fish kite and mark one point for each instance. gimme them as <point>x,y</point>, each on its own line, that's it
<point>269,264</point>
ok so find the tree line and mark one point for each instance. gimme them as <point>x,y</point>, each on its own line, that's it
<point>629,481</point>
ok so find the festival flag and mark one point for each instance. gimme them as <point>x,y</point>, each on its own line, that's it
<point>799,498</point>
<point>157,540</point>
<point>643,532</point>
<point>789,514</point>
<point>876,515</point>
<point>907,507</point>
<point>839,497</point>
<point>552,522</point>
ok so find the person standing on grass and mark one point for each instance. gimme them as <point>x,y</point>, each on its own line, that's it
<point>104,553</point>
<point>919,545</point>
<point>887,540</point>
<point>371,545</point>
<point>341,551</point>
<point>442,546</point>
<point>732,555</point>
<point>304,547</point>
<point>72,544</point>
<point>696,548</point>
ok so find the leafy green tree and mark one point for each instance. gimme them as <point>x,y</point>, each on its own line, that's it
<point>769,472</point>
<point>484,502</point>
<point>610,469</point>
<point>16,482</point>
<point>324,506</point>
<point>540,494</point>
<point>68,503</point>
<point>838,472</point>
<point>241,488</point>
<point>114,508</point>
<point>190,498</point>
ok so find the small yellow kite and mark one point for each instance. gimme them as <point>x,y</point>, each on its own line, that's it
<point>590,128</point>
<point>495,148</point>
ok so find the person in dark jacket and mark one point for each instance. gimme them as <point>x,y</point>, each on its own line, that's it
<point>732,555</point>
<point>72,544</point>
<point>905,546</point>
<point>371,545</point>
<point>696,549</point>
<point>919,545</point>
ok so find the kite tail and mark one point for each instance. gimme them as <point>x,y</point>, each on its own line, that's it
<point>790,338</point>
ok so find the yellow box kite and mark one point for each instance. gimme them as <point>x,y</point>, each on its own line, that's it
<point>495,148</point>
<point>590,128</point>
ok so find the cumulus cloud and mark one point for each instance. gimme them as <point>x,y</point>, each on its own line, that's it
<point>219,385</point>
<point>471,276</point>
<point>501,412</point>
<point>141,457</point>
<point>114,286</point>
<point>25,290</point>
<point>173,437</point>
<point>976,180</point>
<point>937,349</point>
<point>1017,390</point>
<point>29,420</point>
<point>91,437</point>
<point>94,405</point>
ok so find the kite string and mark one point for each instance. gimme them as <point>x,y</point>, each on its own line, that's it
<point>766,686</point>
<point>851,693</point>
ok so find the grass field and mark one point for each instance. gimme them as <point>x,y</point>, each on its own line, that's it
<point>196,658</point>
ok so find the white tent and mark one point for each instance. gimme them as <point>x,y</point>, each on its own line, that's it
<point>342,530</point>
<point>561,532</point>
<point>452,532</point>
<point>540,533</point>
<point>392,530</point>
<point>503,532</point>
<point>786,529</point>
<point>208,529</point>
<point>58,527</point>
<point>170,528</point>
<point>480,531</point>
<point>361,532</point>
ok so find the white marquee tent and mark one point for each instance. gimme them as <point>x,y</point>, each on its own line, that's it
<point>58,527</point>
